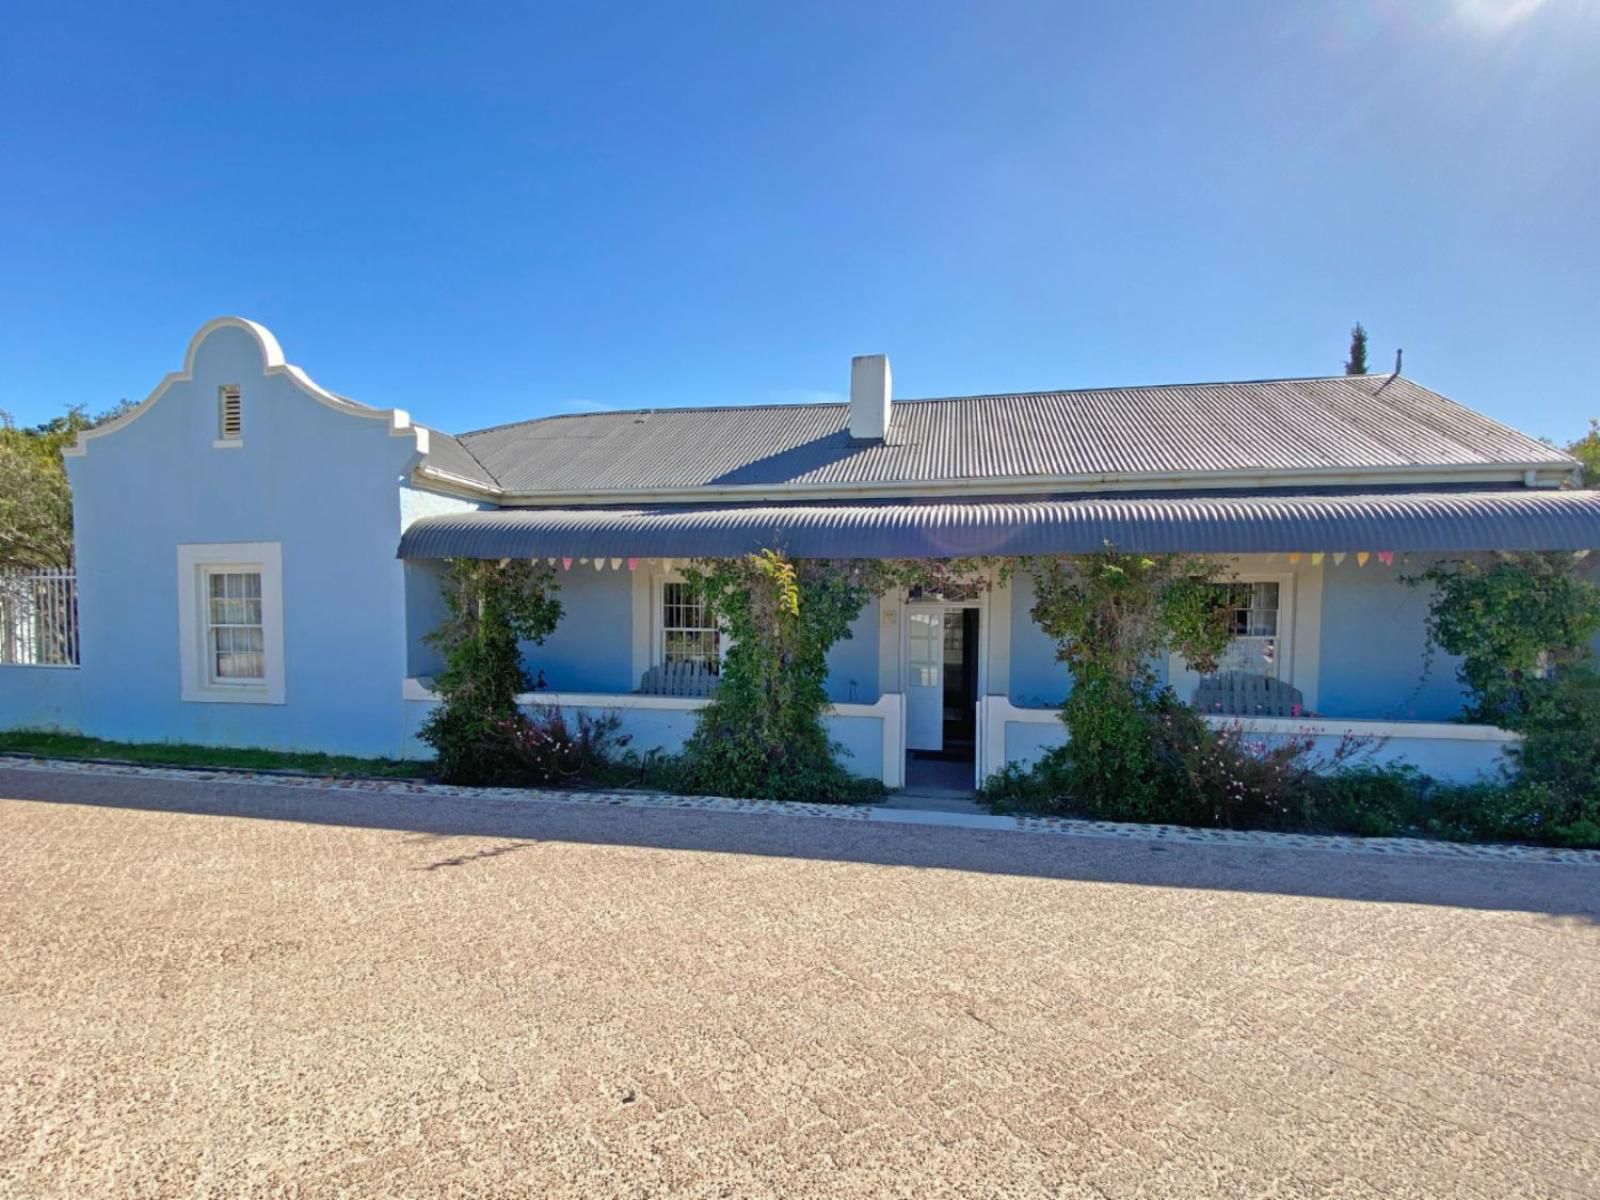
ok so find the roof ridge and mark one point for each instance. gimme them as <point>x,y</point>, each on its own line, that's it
<point>1013,395</point>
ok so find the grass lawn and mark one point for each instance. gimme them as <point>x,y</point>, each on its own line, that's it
<point>177,754</point>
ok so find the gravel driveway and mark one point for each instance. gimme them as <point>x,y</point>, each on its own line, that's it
<point>224,989</point>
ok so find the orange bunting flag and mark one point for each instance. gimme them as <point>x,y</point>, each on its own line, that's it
<point>1361,558</point>
<point>1295,557</point>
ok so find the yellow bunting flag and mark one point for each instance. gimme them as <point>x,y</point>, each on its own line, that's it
<point>1361,558</point>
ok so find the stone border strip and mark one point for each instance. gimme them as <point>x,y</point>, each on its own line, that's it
<point>1059,826</point>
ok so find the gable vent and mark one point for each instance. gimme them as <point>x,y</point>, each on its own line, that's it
<point>230,413</point>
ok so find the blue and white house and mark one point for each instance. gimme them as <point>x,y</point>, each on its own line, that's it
<point>258,558</point>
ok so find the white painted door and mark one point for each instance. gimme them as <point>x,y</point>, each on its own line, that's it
<point>924,678</point>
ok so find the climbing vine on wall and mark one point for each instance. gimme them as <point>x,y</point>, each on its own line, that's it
<point>1112,615</point>
<point>1517,622</point>
<point>763,734</point>
<point>491,608</point>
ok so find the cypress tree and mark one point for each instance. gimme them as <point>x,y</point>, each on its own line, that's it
<point>1357,363</point>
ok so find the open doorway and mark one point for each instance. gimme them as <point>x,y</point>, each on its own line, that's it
<point>942,674</point>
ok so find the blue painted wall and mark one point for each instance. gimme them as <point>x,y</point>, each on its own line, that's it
<point>40,697</point>
<point>853,661</point>
<point>1374,642</point>
<point>1038,678</point>
<point>591,649</point>
<point>323,483</point>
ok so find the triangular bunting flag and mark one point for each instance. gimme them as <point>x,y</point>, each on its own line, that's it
<point>1338,557</point>
<point>616,564</point>
<point>1361,558</point>
<point>633,564</point>
<point>1295,557</point>
<point>566,564</point>
<point>1316,559</point>
<point>1386,557</point>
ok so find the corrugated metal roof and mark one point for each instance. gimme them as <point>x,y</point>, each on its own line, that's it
<point>1255,523</point>
<point>448,455</point>
<point>1359,423</point>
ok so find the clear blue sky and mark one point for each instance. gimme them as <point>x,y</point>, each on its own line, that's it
<point>482,214</point>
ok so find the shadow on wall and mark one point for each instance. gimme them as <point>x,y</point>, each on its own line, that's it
<point>1564,890</point>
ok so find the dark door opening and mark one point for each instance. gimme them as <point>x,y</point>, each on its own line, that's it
<point>960,683</point>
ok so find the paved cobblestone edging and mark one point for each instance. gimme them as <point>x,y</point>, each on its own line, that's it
<point>1060,826</point>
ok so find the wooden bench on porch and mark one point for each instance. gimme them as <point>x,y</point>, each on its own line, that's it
<point>690,679</point>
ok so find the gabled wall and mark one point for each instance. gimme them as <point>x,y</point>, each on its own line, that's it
<point>318,475</point>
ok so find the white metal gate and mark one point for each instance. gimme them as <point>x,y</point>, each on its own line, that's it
<point>38,617</point>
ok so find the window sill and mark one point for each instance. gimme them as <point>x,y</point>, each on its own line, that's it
<point>231,695</point>
<point>228,444</point>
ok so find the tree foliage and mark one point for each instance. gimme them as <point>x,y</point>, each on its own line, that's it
<point>35,501</point>
<point>492,608</point>
<point>1587,451</point>
<point>1356,364</point>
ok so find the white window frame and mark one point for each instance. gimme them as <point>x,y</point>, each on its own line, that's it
<point>658,632</point>
<point>196,564</point>
<point>1184,679</point>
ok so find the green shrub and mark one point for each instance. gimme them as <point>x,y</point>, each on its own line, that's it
<point>1561,735</point>
<point>1367,800</point>
<point>1040,788</point>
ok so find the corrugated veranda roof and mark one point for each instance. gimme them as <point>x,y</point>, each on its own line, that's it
<point>1458,521</point>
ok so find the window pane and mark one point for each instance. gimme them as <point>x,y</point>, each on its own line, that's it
<point>237,653</point>
<point>686,635</point>
<point>235,637</point>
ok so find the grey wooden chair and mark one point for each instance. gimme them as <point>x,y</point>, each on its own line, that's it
<point>1242,694</point>
<point>678,679</point>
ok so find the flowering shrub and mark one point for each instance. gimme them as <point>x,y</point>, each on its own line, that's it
<point>547,750</point>
<point>1200,775</point>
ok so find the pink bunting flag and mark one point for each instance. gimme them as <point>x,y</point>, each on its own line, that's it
<point>1386,557</point>
<point>633,564</point>
<point>566,564</point>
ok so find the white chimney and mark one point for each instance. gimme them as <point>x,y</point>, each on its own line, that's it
<point>870,397</point>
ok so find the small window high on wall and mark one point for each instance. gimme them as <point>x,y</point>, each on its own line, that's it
<point>230,414</point>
